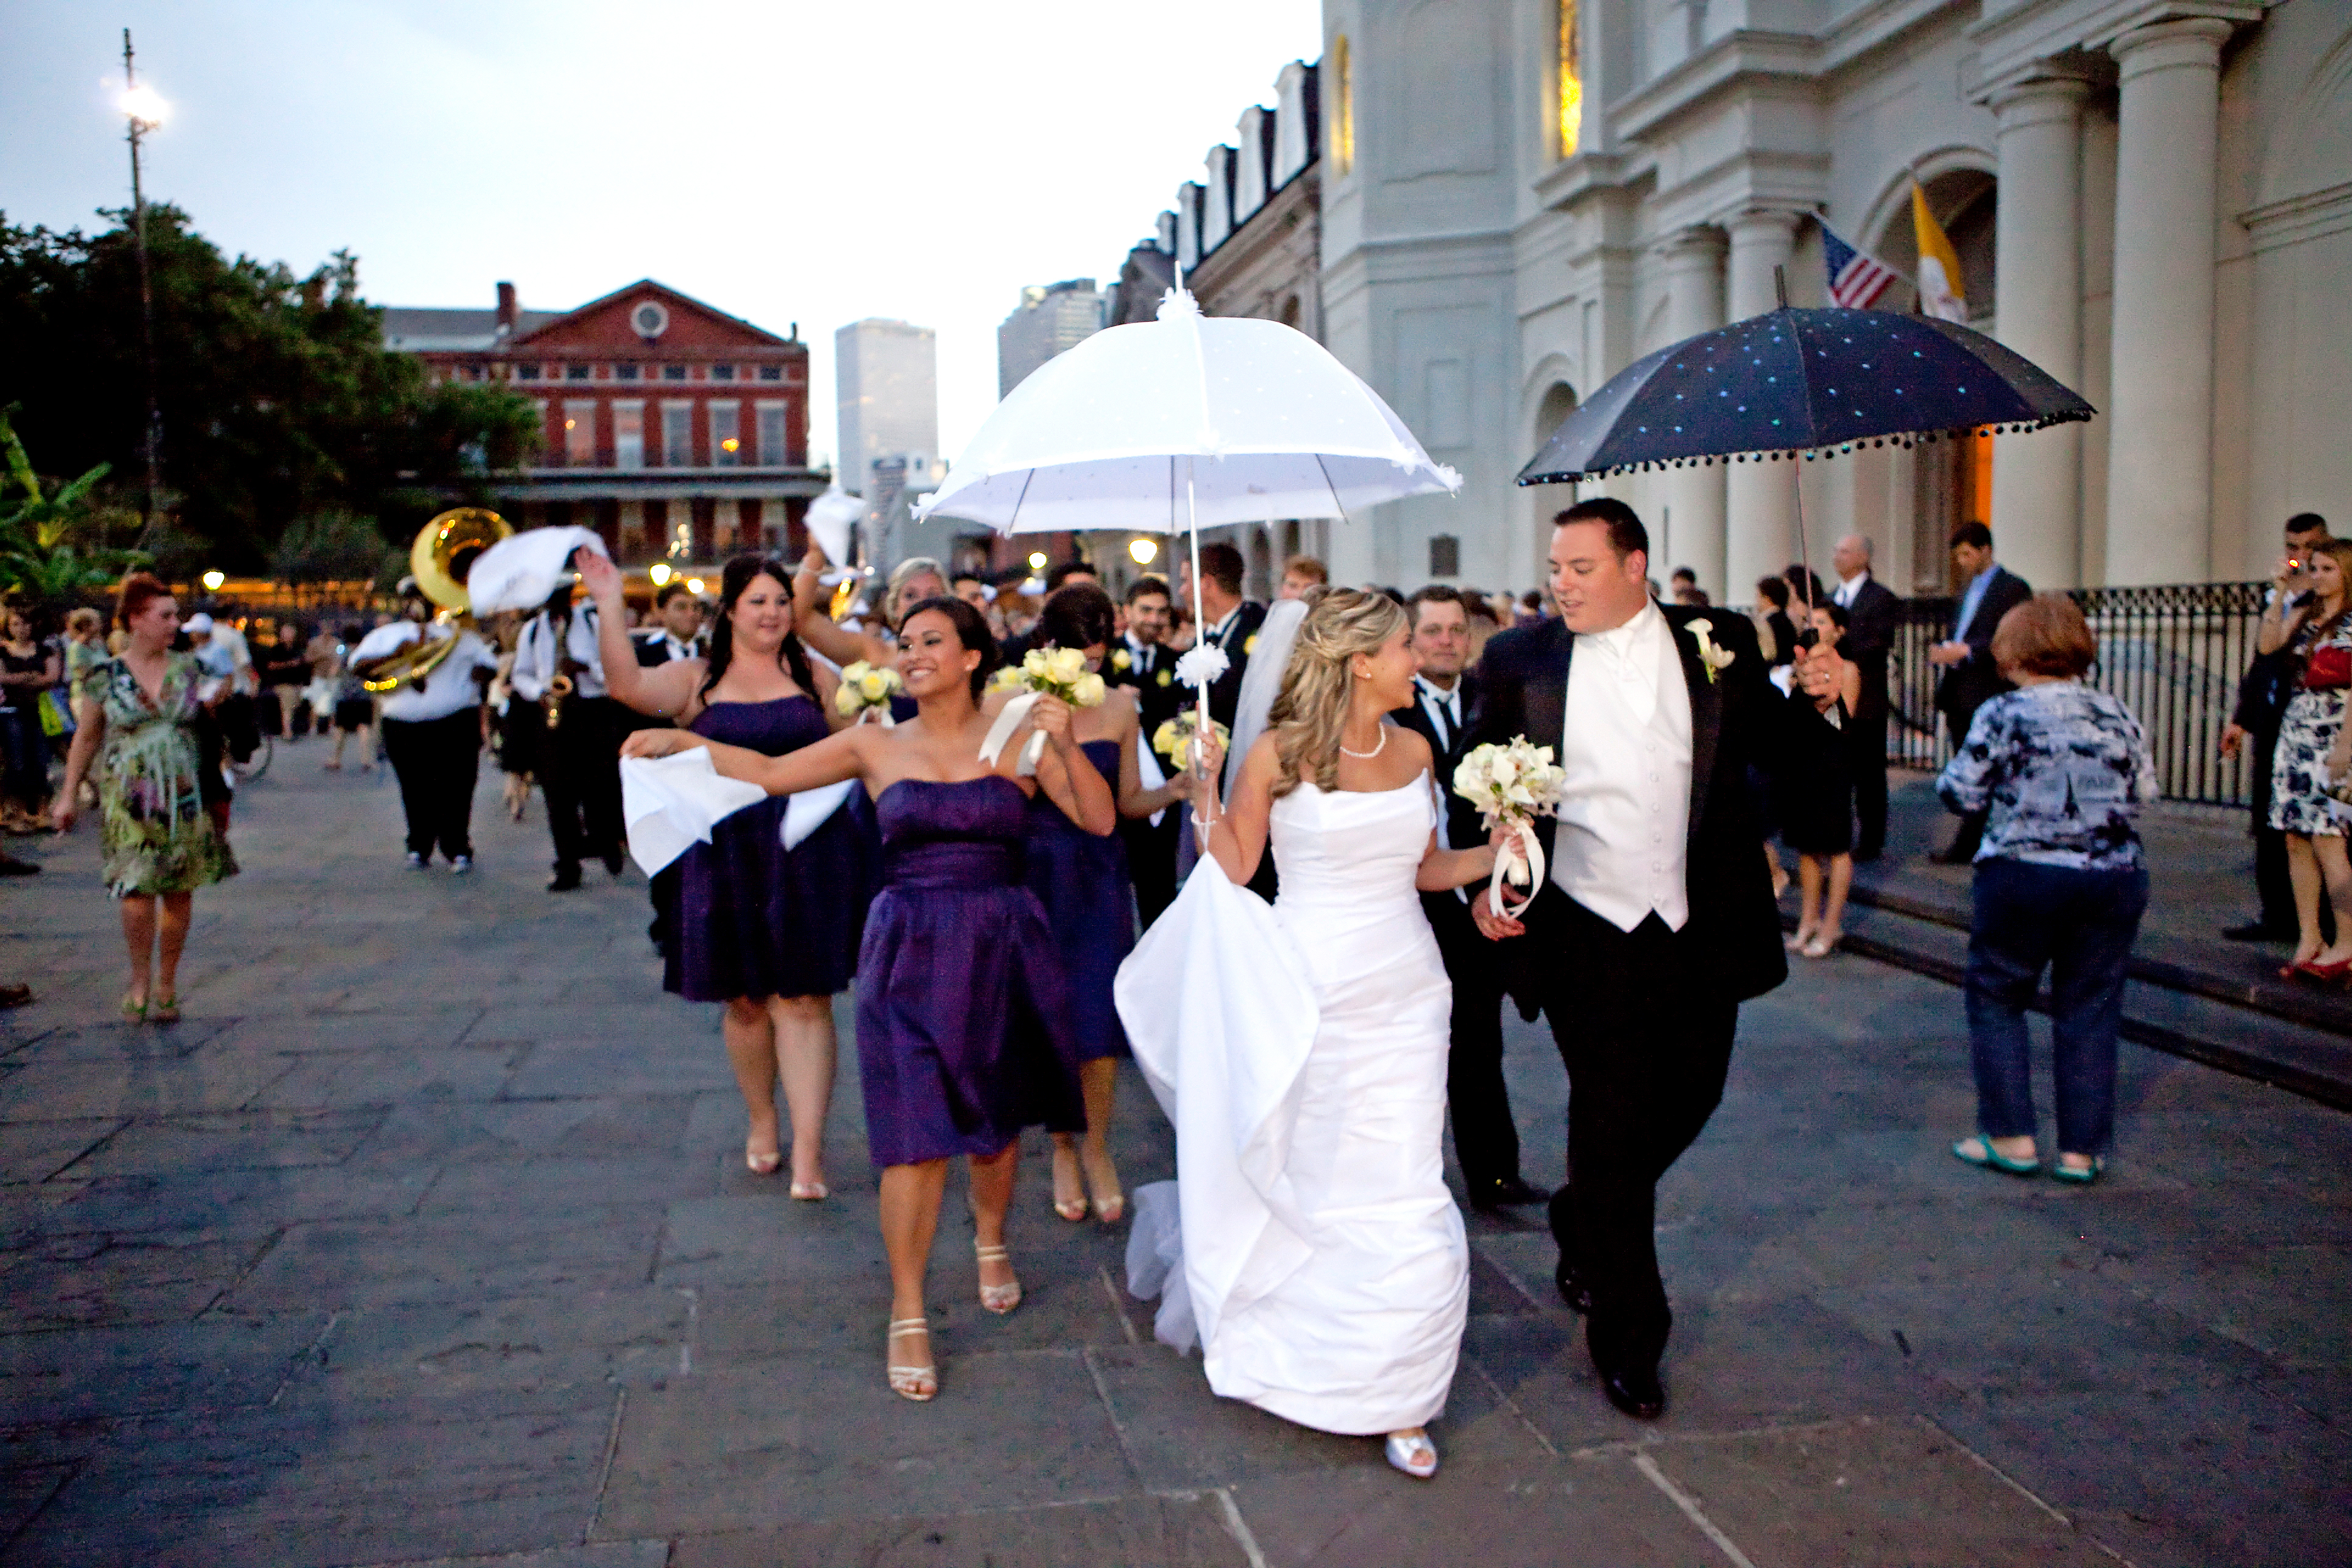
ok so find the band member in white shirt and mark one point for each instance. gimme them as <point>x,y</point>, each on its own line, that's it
<point>557,666</point>
<point>432,734</point>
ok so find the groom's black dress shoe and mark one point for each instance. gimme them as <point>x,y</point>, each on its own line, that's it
<point>1505,1192</point>
<point>1572,1290</point>
<point>1634,1392</point>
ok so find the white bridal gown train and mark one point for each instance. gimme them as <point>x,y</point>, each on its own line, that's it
<point>1310,1239</point>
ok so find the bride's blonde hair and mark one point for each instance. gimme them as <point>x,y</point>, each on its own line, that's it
<point>1311,709</point>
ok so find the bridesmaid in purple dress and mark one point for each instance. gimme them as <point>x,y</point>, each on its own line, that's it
<point>771,933</point>
<point>1090,898</point>
<point>964,1034</point>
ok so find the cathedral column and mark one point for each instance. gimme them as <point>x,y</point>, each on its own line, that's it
<point>1693,261</point>
<point>1761,523</point>
<point>2037,495</point>
<point>2160,429</point>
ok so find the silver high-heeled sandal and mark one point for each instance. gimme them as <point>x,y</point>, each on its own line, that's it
<point>998,1299</point>
<point>1413,1454</point>
<point>920,1384</point>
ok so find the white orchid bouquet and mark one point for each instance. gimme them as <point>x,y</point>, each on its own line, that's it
<point>1177,738</point>
<point>864,693</point>
<point>1059,672</point>
<point>1512,785</point>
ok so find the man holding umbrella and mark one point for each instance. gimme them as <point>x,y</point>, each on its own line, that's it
<point>1227,621</point>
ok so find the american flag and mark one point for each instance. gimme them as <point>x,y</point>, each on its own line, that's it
<point>1855,279</point>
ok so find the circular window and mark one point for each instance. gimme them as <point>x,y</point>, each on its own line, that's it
<point>650,318</point>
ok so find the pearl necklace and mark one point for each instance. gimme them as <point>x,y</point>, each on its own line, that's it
<point>1366,757</point>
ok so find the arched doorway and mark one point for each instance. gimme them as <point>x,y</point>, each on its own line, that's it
<point>1557,402</point>
<point>1951,480</point>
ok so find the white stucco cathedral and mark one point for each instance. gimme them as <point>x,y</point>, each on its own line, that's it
<point>2152,199</point>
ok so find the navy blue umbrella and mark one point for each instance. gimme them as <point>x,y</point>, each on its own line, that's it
<point>1794,381</point>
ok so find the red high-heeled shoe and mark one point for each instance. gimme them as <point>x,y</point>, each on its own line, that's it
<point>2320,972</point>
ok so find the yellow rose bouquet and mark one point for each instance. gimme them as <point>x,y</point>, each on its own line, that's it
<point>1177,738</point>
<point>865,692</point>
<point>1059,672</point>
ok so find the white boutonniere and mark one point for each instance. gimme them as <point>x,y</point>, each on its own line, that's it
<point>1121,659</point>
<point>1711,658</point>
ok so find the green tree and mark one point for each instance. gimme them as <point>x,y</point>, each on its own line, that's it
<point>278,400</point>
<point>52,542</point>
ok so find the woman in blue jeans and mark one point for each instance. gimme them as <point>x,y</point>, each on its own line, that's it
<point>2061,882</point>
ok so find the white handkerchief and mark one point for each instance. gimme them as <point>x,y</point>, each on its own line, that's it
<point>671,801</point>
<point>1147,769</point>
<point>807,812</point>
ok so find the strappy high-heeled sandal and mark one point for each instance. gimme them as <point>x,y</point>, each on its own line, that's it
<point>762,1164</point>
<point>919,1383</point>
<point>810,1192</point>
<point>998,1299</point>
<point>1413,1454</point>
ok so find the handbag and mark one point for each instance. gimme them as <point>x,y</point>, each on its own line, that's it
<point>2329,669</point>
<point>54,720</point>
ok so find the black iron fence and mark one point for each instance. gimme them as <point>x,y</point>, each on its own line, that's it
<point>2174,655</point>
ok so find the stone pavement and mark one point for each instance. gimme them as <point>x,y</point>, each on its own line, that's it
<point>428,1237</point>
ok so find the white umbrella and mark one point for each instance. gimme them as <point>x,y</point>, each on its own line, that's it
<point>1185,423</point>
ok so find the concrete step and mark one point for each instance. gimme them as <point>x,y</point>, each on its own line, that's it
<point>2249,1041</point>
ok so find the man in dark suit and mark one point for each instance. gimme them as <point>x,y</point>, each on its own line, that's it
<point>1140,659</point>
<point>2262,697</point>
<point>1656,918</point>
<point>1227,620</point>
<point>1873,612</point>
<point>1444,712</point>
<point>1971,678</point>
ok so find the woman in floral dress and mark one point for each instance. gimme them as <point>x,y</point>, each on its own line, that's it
<point>138,710</point>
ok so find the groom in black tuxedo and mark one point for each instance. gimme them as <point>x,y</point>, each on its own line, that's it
<point>1656,918</point>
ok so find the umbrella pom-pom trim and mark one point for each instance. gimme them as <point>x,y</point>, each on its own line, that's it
<point>1201,664</point>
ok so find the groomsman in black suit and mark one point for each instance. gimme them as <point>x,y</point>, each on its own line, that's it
<point>1141,659</point>
<point>1873,612</point>
<point>1971,678</point>
<point>1656,918</point>
<point>1227,620</point>
<point>1445,711</point>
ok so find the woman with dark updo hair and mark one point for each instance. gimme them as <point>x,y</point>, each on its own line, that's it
<point>1082,880</point>
<point>964,1031</point>
<point>771,933</point>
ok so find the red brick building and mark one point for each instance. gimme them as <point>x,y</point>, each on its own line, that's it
<point>677,431</point>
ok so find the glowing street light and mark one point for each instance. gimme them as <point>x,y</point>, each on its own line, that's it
<point>1036,561</point>
<point>1144,550</point>
<point>142,106</point>
<point>694,585</point>
<point>659,572</point>
<point>212,580</point>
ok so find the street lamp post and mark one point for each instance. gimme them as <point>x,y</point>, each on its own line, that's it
<point>144,111</point>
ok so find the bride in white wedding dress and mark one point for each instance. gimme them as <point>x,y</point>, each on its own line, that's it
<point>1300,1052</point>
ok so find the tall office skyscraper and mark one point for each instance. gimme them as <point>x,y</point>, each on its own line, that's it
<point>886,376</point>
<point>1051,319</point>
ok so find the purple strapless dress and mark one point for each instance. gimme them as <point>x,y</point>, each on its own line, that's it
<point>964,1034</point>
<point>1089,903</point>
<point>752,918</point>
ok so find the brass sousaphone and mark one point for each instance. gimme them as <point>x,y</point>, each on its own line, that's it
<point>443,554</point>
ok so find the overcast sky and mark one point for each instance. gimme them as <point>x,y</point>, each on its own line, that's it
<point>786,162</point>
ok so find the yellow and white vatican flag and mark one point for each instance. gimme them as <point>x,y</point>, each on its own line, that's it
<point>1940,293</point>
